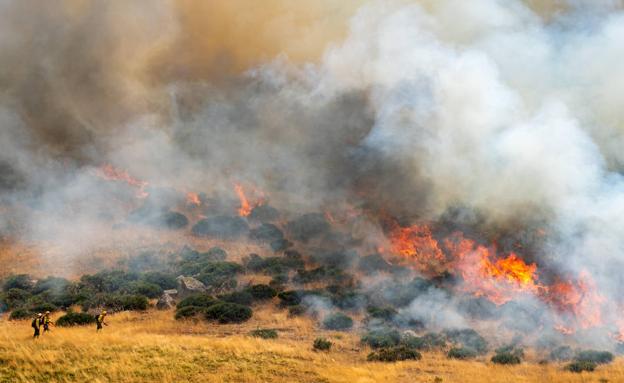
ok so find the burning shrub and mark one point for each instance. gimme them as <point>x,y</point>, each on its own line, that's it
<point>479,308</point>
<point>20,281</point>
<point>264,333</point>
<point>321,344</point>
<point>290,298</point>
<point>172,220</point>
<point>468,338</point>
<point>266,233</point>
<point>221,227</point>
<point>307,227</point>
<point>598,357</point>
<point>225,312</point>
<point>164,280</point>
<point>264,213</point>
<point>337,321</point>
<point>580,366</point>
<point>240,297</point>
<point>382,338</point>
<point>188,312</point>
<point>75,319</point>
<point>462,353</point>
<point>262,292</point>
<point>393,354</point>
<point>198,300</point>
<point>561,354</point>
<point>400,295</point>
<point>429,341</point>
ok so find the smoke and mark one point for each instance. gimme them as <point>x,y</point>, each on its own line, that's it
<point>507,109</point>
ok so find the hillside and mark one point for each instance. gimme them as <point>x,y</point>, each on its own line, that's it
<point>152,346</point>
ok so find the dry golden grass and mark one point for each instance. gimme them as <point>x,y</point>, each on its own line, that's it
<point>152,347</point>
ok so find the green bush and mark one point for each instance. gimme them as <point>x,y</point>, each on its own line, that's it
<point>506,358</point>
<point>262,292</point>
<point>240,297</point>
<point>384,313</point>
<point>220,274</point>
<point>337,321</point>
<point>598,357</point>
<point>382,338</point>
<point>51,284</point>
<point>461,353</point>
<point>225,312</point>
<point>15,297</point>
<point>20,281</point>
<point>150,290</point>
<point>321,344</point>
<point>117,302</point>
<point>75,319</point>
<point>264,333</point>
<point>164,280</point>
<point>580,366</point>
<point>467,338</point>
<point>20,313</point>
<point>394,354</point>
<point>188,312</point>
<point>429,341</point>
<point>42,307</point>
<point>109,281</point>
<point>290,297</point>
<point>563,353</point>
<point>197,300</point>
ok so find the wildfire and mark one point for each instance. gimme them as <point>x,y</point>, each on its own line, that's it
<point>245,205</point>
<point>580,297</point>
<point>417,242</point>
<point>111,173</point>
<point>193,199</point>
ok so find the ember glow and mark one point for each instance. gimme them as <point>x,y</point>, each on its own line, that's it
<point>193,199</point>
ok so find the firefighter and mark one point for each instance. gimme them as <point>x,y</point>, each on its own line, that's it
<point>36,325</point>
<point>99,320</point>
<point>47,322</point>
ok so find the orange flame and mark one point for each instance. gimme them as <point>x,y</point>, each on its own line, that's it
<point>111,173</point>
<point>193,199</point>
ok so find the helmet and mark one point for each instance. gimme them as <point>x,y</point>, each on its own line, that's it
<point>104,312</point>
<point>47,312</point>
<point>38,314</point>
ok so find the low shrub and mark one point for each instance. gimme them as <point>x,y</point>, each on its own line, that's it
<point>506,358</point>
<point>321,344</point>
<point>225,312</point>
<point>75,319</point>
<point>384,313</point>
<point>240,297</point>
<point>150,290</point>
<point>197,300</point>
<point>382,338</point>
<point>20,313</point>
<point>15,297</point>
<point>188,312</point>
<point>290,298</point>
<point>394,354</point>
<point>462,353</point>
<point>598,357</point>
<point>427,342</point>
<point>337,321</point>
<point>20,281</point>
<point>468,338</point>
<point>562,354</point>
<point>262,292</point>
<point>164,280</point>
<point>264,333</point>
<point>580,366</point>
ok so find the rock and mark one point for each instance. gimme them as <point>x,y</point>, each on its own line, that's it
<point>172,292</point>
<point>188,286</point>
<point>166,301</point>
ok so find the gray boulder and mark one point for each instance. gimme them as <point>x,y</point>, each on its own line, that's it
<point>188,286</point>
<point>166,301</point>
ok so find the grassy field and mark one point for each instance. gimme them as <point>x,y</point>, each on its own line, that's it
<point>152,347</point>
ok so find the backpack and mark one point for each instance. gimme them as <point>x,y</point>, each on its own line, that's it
<point>34,323</point>
<point>97,317</point>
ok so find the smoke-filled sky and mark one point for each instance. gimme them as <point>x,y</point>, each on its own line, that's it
<point>506,108</point>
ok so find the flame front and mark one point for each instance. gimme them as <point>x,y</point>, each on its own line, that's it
<point>111,173</point>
